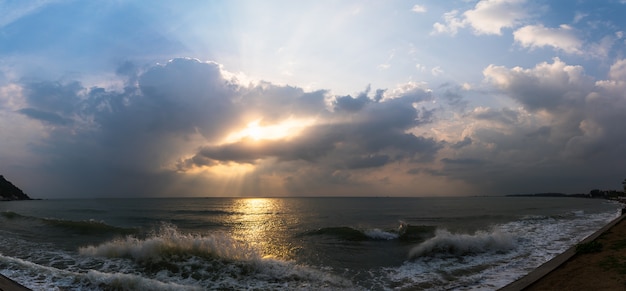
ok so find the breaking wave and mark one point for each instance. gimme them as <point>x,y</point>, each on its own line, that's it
<point>215,260</point>
<point>168,243</point>
<point>447,243</point>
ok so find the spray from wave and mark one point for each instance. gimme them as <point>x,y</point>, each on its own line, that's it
<point>168,243</point>
<point>447,243</point>
<point>215,260</point>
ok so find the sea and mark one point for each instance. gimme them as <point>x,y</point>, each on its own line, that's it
<point>382,243</point>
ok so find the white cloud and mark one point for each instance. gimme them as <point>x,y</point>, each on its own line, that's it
<point>491,16</point>
<point>436,71</point>
<point>544,87</point>
<point>618,71</point>
<point>536,36</point>
<point>418,9</point>
<point>579,16</point>
<point>451,26</point>
<point>603,47</point>
<point>487,17</point>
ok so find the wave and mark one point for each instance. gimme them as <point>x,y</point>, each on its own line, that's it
<point>215,260</point>
<point>341,232</point>
<point>83,227</point>
<point>11,215</point>
<point>447,243</point>
<point>168,243</point>
<point>405,232</point>
<point>41,277</point>
<point>88,227</point>
<point>121,281</point>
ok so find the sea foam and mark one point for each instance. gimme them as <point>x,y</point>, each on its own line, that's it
<point>168,242</point>
<point>446,242</point>
<point>215,260</point>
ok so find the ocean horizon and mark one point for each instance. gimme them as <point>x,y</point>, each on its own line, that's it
<point>296,243</point>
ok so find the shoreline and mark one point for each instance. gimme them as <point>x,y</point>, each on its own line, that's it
<point>548,268</point>
<point>6,284</point>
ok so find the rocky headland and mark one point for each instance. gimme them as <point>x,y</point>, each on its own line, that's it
<point>9,192</point>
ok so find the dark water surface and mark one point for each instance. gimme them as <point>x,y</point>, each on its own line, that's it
<point>289,243</point>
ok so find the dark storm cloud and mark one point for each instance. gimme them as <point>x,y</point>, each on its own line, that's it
<point>504,115</point>
<point>350,104</point>
<point>371,129</point>
<point>52,102</point>
<point>275,103</point>
<point>371,161</point>
<point>186,95</point>
<point>45,116</point>
<point>120,140</point>
<point>112,142</point>
<point>465,142</point>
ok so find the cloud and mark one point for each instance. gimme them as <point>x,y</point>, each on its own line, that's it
<point>565,135</point>
<point>537,36</point>
<point>487,17</point>
<point>451,26</point>
<point>618,70</point>
<point>436,71</point>
<point>171,122</point>
<point>374,130</point>
<point>48,117</point>
<point>181,125</point>
<point>491,16</point>
<point>545,87</point>
<point>418,8</point>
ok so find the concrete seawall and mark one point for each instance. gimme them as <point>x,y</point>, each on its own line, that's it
<point>7,284</point>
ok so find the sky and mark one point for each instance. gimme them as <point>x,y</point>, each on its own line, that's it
<point>312,98</point>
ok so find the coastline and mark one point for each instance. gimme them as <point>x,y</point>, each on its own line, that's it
<point>6,284</point>
<point>549,271</point>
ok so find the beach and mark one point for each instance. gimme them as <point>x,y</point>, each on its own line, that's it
<point>601,267</point>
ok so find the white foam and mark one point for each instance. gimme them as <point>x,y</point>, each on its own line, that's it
<point>445,242</point>
<point>491,260</point>
<point>168,241</point>
<point>380,234</point>
<point>120,281</point>
<point>239,265</point>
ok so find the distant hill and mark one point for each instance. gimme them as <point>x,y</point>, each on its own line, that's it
<point>8,191</point>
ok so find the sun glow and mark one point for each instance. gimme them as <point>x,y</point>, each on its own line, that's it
<point>256,131</point>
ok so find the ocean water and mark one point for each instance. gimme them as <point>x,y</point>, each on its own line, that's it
<point>477,243</point>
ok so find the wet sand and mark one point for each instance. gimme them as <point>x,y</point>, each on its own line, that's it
<point>602,270</point>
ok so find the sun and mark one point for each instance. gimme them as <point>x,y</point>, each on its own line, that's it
<point>255,131</point>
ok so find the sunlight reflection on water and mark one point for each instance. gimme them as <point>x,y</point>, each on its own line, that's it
<point>262,223</point>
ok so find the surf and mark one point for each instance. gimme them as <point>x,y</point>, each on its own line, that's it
<point>214,259</point>
<point>446,243</point>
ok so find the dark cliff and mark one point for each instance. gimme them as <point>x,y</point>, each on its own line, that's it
<point>8,191</point>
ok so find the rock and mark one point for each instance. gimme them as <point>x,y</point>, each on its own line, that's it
<point>8,191</point>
